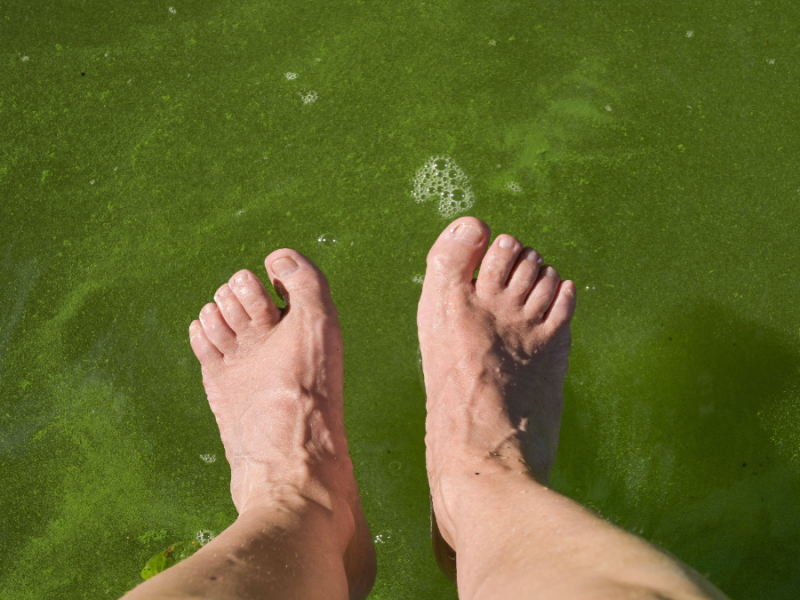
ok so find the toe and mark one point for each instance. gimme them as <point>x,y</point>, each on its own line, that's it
<point>216,329</point>
<point>457,252</point>
<point>563,306</point>
<point>298,281</point>
<point>542,294</point>
<point>497,264</point>
<point>204,350</point>
<point>258,307</point>
<point>524,274</point>
<point>231,309</point>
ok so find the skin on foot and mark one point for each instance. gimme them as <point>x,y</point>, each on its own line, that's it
<point>274,382</point>
<point>494,355</point>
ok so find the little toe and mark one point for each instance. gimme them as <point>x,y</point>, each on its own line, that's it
<point>563,307</point>
<point>456,253</point>
<point>298,281</point>
<point>255,300</point>
<point>216,329</point>
<point>497,264</point>
<point>542,294</point>
<point>231,309</point>
<point>204,350</point>
<point>524,274</point>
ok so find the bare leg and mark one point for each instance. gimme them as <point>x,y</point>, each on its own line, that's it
<point>274,382</point>
<point>494,354</point>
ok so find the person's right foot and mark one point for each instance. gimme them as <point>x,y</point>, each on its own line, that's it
<point>494,357</point>
<point>274,381</point>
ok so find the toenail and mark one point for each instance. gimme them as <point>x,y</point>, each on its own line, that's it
<point>467,233</point>
<point>209,308</point>
<point>241,277</point>
<point>507,242</point>
<point>223,291</point>
<point>284,266</point>
<point>532,256</point>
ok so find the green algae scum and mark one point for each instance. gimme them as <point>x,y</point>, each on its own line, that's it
<point>648,150</point>
<point>174,554</point>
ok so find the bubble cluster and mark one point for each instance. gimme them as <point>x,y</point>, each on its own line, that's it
<point>204,536</point>
<point>388,541</point>
<point>208,458</point>
<point>309,97</point>
<point>291,76</point>
<point>441,179</point>
<point>419,279</point>
<point>514,187</point>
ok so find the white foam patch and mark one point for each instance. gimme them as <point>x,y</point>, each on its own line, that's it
<point>208,458</point>
<point>309,97</point>
<point>443,181</point>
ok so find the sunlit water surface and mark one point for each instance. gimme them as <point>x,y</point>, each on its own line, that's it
<point>649,150</point>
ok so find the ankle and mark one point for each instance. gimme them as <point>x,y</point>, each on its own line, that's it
<point>318,513</point>
<point>465,485</point>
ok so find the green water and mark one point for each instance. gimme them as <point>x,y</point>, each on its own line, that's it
<point>651,149</point>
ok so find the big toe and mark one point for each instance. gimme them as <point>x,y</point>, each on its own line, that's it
<point>457,253</point>
<point>298,280</point>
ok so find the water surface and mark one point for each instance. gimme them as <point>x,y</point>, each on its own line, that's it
<point>647,149</point>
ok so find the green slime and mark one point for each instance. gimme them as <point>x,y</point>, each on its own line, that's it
<point>174,554</point>
<point>648,150</point>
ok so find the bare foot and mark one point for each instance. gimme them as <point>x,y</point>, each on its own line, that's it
<point>274,382</point>
<point>494,355</point>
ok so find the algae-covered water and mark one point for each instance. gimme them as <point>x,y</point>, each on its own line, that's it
<point>148,151</point>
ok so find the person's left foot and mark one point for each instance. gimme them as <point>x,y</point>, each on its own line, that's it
<point>274,382</point>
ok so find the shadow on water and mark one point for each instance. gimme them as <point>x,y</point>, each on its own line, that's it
<point>683,439</point>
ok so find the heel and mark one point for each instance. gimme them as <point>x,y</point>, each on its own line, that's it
<point>445,555</point>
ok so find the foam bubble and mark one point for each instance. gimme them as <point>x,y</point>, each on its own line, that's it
<point>204,536</point>
<point>441,179</point>
<point>291,76</point>
<point>208,458</point>
<point>309,97</point>
<point>514,187</point>
<point>388,541</point>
